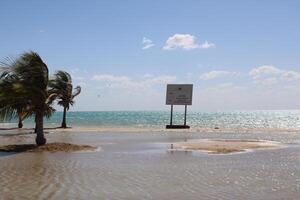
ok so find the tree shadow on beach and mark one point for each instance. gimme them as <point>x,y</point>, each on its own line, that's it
<point>7,150</point>
<point>18,148</point>
<point>10,150</point>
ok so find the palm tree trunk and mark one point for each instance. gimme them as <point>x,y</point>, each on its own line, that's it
<point>64,121</point>
<point>40,138</point>
<point>20,124</point>
<point>35,124</point>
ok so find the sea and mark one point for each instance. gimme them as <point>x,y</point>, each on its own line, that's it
<point>263,119</point>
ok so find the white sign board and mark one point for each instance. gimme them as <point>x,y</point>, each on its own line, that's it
<point>179,94</point>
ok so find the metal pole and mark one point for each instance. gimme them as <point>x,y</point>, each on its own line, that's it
<point>185,108</point>
<point>171,119</point>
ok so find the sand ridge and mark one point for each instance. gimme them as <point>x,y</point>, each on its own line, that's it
<point>223,146</point>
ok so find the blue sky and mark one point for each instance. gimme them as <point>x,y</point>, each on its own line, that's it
<point>239,55</point>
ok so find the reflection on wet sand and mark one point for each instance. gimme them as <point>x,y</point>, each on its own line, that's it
<point>139,166</point>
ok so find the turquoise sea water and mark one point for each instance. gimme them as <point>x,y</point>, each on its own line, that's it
<point>158,119</point>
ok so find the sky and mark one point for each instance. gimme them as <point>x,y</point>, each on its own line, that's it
<point>240,55</point>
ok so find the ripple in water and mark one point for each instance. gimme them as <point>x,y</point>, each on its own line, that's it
<point>147,171</point>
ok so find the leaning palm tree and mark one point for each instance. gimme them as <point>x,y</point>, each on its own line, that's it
<point>22,114</point>
<point>25,83</point>
<point>23,111</point>
<point>61,84</point>
<point>21,107</point>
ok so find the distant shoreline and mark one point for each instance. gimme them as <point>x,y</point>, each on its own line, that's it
<point>103,129</point>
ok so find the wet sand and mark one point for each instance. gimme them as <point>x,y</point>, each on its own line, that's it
<point>139,165</point>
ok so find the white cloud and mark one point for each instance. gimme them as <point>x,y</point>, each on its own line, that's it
<point>225,87</point>
<point>78,78</point>
<point>215,74</point>
<point>207,45</point>
<point>291,75</point>
<point>113,81</point>
<point>110,78</point>
<point>147,75</point>
<point>186,42</point>
<point>264,70</point>
<point>126,82</point>
<point>159,80</point>
<point>270,75</point>
<point>147,43</point>
<point>268,81</point>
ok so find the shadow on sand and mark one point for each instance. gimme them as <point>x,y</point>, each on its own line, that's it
<point>50,147</point>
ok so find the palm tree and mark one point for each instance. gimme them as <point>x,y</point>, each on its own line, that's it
<point>20,107</point>
<point>61,84</point>
<point>25,83</point>
<point>22,114</point>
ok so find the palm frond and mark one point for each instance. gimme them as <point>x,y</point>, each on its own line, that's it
<point>76,92</point>
<point>23,85</point>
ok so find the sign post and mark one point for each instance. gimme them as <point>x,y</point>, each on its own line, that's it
<point>179,94</point>
<point>171,118</point>
<point>185,109</point>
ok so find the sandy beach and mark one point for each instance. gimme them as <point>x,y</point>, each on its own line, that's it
<point>140,165</point>
<point>218,146</point>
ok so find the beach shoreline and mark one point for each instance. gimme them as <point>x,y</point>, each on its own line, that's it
<point>126,129</point>
<point>210,140</point>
